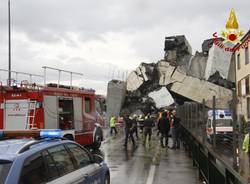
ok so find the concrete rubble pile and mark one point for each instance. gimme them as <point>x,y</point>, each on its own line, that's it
<point>180,77</point>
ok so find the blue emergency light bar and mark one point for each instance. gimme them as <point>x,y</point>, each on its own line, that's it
<point>56,133</point>
<point>39,133</point>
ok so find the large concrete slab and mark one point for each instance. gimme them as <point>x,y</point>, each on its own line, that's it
<point>197,66</point>
<point>134,81</point>
<point>165,71</point>
<point>197,90</point>
<point>218,60</point>
<point>143,73</point>
<point>193,88</point>
<point>161,97</point>
<point>115,98</point>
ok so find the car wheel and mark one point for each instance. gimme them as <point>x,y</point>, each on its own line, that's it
<point>107,179</point>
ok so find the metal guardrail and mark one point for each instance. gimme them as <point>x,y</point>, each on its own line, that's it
<point>211,168</point>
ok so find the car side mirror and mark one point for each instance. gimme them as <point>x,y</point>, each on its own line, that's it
<point>97,158</point>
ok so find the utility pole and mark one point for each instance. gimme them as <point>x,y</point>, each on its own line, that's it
<point>9,71</point>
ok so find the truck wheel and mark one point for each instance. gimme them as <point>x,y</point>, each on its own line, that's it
<point>97,139</point>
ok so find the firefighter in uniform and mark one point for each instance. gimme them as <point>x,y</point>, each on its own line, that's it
<point>140,121</point>
<point>129,131</point>
<point>148,125</point>
<point>135,128</point>
<point>112,124</point>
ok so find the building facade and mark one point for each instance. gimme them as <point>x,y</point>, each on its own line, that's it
<point>242,65</point>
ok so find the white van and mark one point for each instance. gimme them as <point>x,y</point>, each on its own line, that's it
<point>224,127</point>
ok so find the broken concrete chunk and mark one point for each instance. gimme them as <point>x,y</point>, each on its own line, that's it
<point>145,72</point>
<point>217,79</point>
<point>206,45</point>
<point>218,60</point>
<point>115,98</point>
<point>180,42</point>
<point>171,56</point>
<point>197,90</point>
<point>197,66</point>
<point>165,72</point>
<point>162,98</point>
<point>134,81</point>
<point>176,47</point>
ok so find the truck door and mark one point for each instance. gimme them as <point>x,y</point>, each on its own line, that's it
<point>77,102</point>
<point>15,114</point>
<point>51,112</point>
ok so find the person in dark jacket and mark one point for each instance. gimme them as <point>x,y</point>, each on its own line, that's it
<point>164,127</point>
<point>148,125</point>
<point>176,131</point>
<point>128,131</point>
<point>135,127</point>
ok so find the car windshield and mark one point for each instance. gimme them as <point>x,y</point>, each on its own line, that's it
<point>4,170</point>
<point>223,122</point>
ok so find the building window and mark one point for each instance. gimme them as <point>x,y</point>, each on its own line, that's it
<point>239,88</point>
<point>247,85</point>
<point>87,105</point>
<point>248,107</point>
<point>246,56</point>
<point>238,61</point>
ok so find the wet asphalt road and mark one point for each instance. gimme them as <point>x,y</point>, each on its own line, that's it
<point>147,165</point>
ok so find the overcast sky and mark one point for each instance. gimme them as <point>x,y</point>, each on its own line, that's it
<point>106,38</point>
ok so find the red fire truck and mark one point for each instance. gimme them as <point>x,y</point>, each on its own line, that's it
<point>54,106</point>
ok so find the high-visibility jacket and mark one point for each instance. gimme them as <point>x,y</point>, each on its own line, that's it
<point>112,122</point>
<point>245,144</point>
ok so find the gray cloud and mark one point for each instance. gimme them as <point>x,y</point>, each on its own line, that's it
<point>44,19</point>
<point>73,34</point>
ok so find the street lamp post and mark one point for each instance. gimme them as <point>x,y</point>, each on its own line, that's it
<point>9,71</point>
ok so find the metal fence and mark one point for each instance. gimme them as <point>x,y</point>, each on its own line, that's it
<point>219,158</point>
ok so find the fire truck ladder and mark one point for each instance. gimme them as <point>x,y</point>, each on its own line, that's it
<point>31,114</point>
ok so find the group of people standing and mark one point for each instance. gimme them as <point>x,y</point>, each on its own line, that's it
<point>167,123</point>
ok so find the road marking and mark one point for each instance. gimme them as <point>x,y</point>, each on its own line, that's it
<point>151,175</point>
